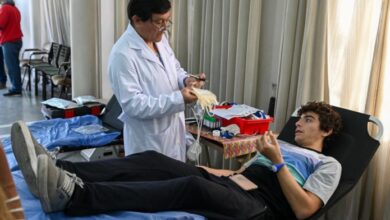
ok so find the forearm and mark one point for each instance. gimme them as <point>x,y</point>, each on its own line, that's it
<point>302,202</point>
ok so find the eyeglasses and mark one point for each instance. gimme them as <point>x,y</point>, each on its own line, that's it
<point>161,24</point>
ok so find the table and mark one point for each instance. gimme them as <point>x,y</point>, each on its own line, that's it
<point>231,148</point>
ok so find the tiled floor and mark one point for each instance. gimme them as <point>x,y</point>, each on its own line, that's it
<point>26,108</point>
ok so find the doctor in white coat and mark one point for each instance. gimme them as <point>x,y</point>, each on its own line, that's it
<point>149,83</point>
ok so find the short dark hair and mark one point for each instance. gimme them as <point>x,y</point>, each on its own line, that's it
<point>329,118</point>
<point>145,8</point>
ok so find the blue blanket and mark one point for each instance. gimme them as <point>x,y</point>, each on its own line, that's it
<point>62,132</point>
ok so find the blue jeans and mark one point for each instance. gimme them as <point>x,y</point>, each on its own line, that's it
<point>3,76</point>
<point>11,52</point>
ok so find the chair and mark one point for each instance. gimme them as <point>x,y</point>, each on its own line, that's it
<point>64,81</point>
<point>26,60</point>
<point>48,71</point>
<point>353,148</point>
<point>111,114</point>
<point>38,57</point>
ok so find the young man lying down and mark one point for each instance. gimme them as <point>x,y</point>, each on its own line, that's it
<point>281,182</point>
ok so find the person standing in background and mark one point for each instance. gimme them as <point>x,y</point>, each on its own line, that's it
<point>149,83</point>
<point>11,43</point>
<point>3,76</point>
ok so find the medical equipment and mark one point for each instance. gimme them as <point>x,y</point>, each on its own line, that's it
<point>206,100</point>
<point>196,77</point>
<point>195,149</point>
<point>249,120</point>
<point>101,153</point>
<point>61,108</point>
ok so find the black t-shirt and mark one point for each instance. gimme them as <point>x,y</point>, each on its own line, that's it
<point>269,190</point>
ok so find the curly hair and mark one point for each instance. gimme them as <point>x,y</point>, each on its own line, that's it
<point>145,9</point>
<point>329,118</point>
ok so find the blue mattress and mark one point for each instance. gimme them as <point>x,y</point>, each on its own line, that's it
<point>60,132</point>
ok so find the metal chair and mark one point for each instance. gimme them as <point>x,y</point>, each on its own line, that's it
<point>34,57</point>
<point>48,71</point>
<point>64,81</point>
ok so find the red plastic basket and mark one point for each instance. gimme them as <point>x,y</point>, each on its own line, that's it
<point>247,126</point>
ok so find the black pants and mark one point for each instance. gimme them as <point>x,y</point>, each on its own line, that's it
<point>151,182</point>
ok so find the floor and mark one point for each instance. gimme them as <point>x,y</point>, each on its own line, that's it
<point>26,108</point>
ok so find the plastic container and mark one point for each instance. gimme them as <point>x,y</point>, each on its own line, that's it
<point>249,126</point>
<point>211,122</point>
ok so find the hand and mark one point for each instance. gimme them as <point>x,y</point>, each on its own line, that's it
<point>188,95</point>
<point>270,148</point>
<point>197,82</point>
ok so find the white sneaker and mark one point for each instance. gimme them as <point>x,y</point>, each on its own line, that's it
<point>26,149</point>
<point>55,186</point>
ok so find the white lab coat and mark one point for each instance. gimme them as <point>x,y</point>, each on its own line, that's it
<point>149,94</point>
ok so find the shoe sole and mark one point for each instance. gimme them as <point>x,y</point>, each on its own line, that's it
<point>24,151</point>
<point>42,181</point>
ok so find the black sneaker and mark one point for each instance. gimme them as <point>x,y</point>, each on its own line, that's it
<point>9,93</point>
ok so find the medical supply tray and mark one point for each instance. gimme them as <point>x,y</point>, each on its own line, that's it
<point>53,112</point>
<point>246,125</point>
<point>249,126</point>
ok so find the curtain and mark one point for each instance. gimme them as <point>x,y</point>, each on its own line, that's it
<point>220,38</point>
<point>352,48</point>
<point>378,104</point>
<point>55,15</point>
<point>45,21</point>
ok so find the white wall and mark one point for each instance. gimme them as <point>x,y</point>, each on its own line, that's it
<point>95,26</point>
<point>107,38</point>
<point>84,44</point>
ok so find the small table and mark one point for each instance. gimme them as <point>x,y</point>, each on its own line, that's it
<point>231,148</point>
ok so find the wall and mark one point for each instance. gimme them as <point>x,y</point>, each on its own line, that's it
<point>84,44</point>
<point>95,26</point>
<point>106,41</point>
